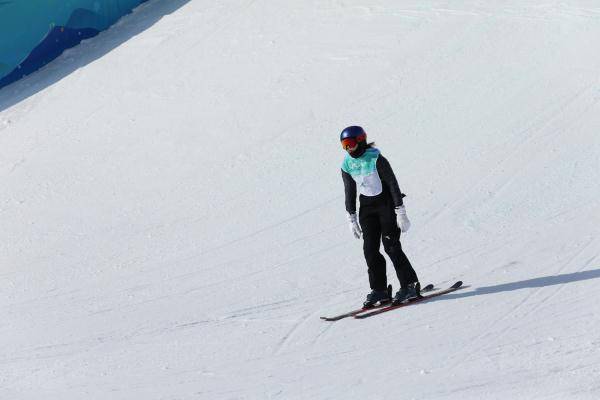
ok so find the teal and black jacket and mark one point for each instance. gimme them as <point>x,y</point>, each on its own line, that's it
<point>372,175</point>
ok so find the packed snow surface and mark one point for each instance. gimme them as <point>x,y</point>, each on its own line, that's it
<point>173,220</point>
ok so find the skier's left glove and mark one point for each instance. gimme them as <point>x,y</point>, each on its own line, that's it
<point>402,219</point>
<point>353,225</point>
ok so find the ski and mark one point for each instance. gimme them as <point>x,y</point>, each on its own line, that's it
<point>386,308</point>
<point>352,313</point>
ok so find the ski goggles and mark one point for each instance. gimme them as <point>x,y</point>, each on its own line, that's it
<point>349,143</point>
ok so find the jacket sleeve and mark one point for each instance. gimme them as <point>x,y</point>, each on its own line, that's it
<point>349,192</point>
<point>386,174</point>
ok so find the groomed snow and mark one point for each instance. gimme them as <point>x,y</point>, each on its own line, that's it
<point>172,217</point>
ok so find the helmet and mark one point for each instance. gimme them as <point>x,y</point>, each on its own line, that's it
<point>352,136</point>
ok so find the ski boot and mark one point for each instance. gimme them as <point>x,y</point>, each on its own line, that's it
<point>409,292</point>
<point>381,296</point>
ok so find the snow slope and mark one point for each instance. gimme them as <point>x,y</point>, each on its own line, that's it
<point>172,211</point>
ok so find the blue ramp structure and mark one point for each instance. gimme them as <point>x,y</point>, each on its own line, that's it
<point>35,32</point>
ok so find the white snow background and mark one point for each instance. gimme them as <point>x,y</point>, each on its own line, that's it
<point>172,216</point>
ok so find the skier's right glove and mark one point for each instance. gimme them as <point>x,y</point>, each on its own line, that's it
<point>353,224</point>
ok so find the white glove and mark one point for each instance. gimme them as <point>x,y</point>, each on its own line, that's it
<point>402,219</point>
<point>354,227</point>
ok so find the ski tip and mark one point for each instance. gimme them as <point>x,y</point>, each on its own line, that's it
<point>457,285</point>
<point>333,318</point>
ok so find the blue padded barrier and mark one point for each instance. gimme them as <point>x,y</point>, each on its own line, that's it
<point>34,32</point>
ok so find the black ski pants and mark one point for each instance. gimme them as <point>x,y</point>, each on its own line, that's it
<point>377,218</point>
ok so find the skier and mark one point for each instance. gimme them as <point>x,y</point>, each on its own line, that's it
<point>382,216</point>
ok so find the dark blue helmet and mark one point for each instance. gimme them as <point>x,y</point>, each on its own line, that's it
<point>354,132</point>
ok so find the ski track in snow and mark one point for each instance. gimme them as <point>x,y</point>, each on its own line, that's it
<point>498,328</point>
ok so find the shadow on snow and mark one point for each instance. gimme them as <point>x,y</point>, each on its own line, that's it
<point>527,284</point>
